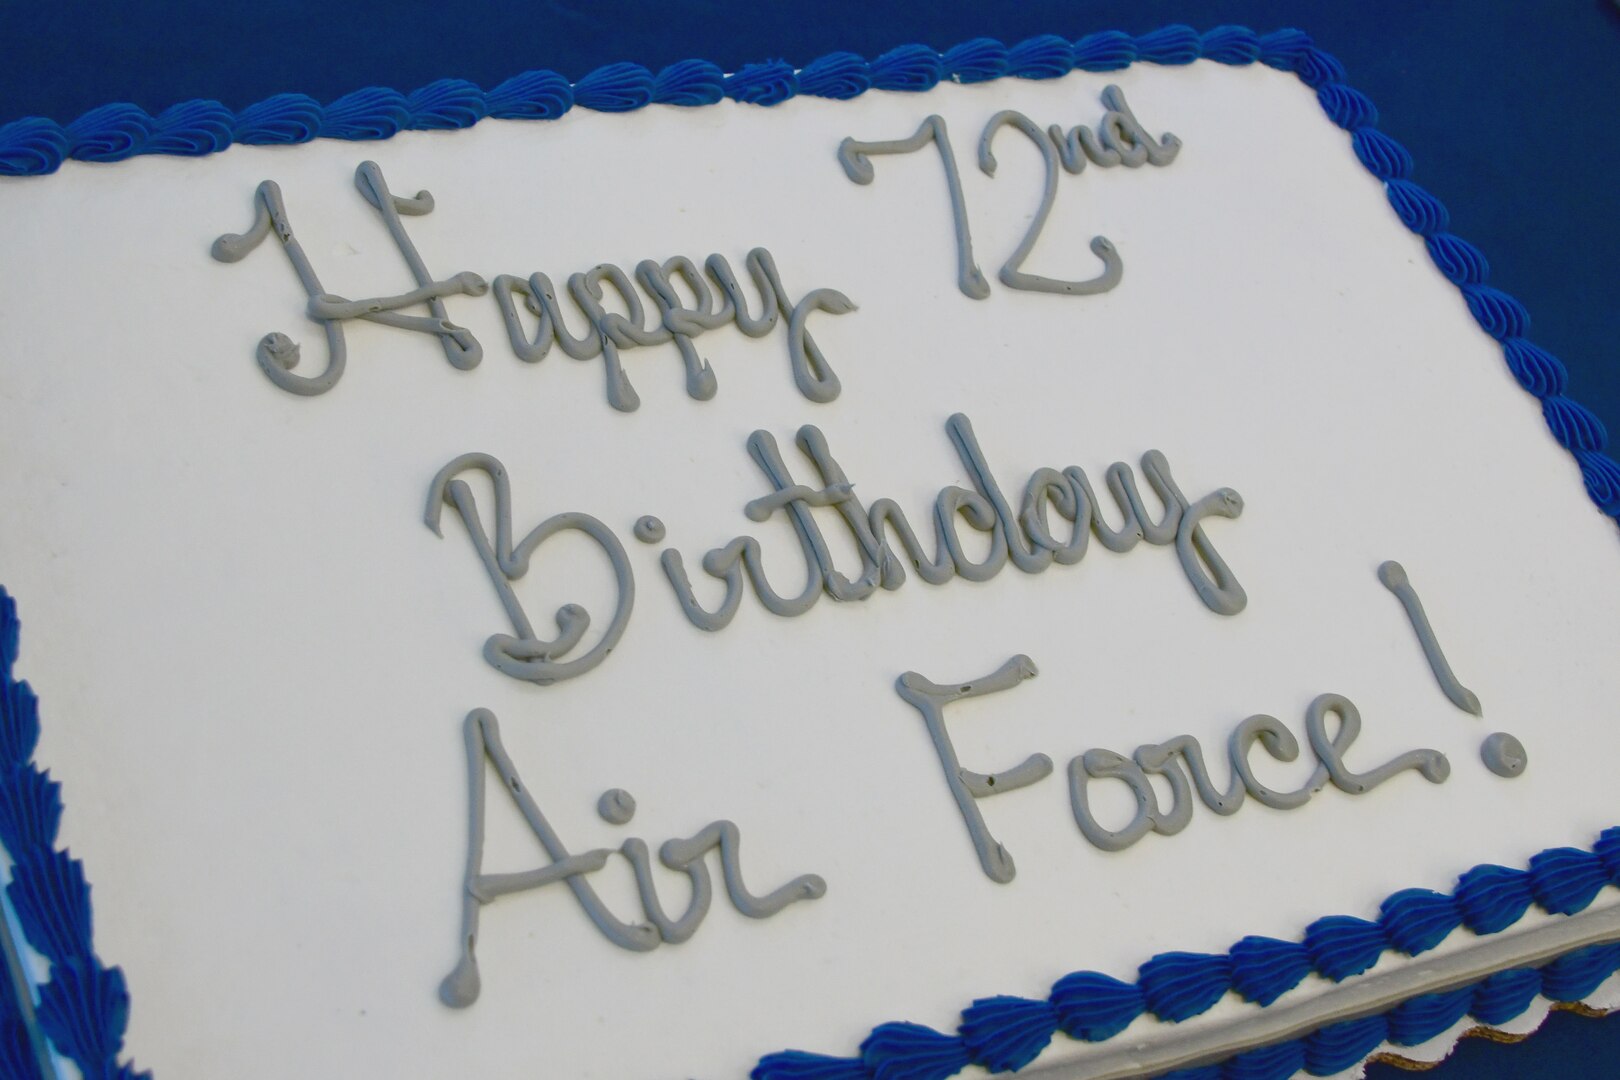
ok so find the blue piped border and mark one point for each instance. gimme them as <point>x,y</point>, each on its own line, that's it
<point>1004,1033</point>
<point>84,1007</point>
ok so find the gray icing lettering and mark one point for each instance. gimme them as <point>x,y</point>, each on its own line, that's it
<point>616,806</point>
<point>1503,754</point>
<point>526,656</point>
<point>1330,752</point>
<point>1281,744</point>
<point>615,330</point>
<point>482,734</point>
<point>723,836</point>
<point>277,354</point>
<point>1050,487</point>
<point>1161,758</point>
<point>648,529</point>
<point>856,158</point>
<point>610,333</point>
<point>1012,274</point>
<point>1107,765</point>
<point>1120,139</point>
<point>1181,762</point>
<point>1394,578</point>
<point>483,738</point>
<point>1216,586</point>
<point>671,931</point>
<point>888,542</point>
<point>876,568</point>
<point>1025,554</point>
<point>930,699</point>
<point>681,322</point>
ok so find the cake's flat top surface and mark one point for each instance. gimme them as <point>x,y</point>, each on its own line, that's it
<point>277,739</point>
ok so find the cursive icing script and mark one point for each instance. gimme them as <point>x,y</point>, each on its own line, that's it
<point>1119,139</point>
<point>524,655</point>
<point>1179,762</point>
<point>483,737</point>
<point>607,333</point>
<point>1023,537</point>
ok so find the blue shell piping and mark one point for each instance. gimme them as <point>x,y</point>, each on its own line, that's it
<point>1001,1033</point>
<point>84,1006</point>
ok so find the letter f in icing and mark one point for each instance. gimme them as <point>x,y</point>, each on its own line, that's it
<point>968,787</point>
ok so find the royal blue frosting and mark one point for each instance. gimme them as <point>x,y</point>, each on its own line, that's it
<point>373,113</point>
<point>615,88</point>
<point>1170,45</point>
<point>1505,995</point>
<point>1278,1061</point>
<point>1045,57</point>
<point>1342,945</point>
<point>533,95</point>
<point>797,1065</point>
<point>1493,898</point>
<point>280,120</point>
<point>30,810</point>
<point>1417,920</point>
<point>840,75</point>
<point>1109,50</point>
<point>1418,210</point>
<point>1573,424</point>
<point>910,68</point>
<point>1565,880</point>
<point>1424,1017</point>
<point>84,1006</point>
<point>1264,969</point>
<point>1235,45</point>
<point>1342,1046</point>
<point>976,61</point>
<point>913,1052</point>
<point>1179,985</point>
<point>689,83</point>
<point>445,105</point>
<point>770,83</point>
<point>1095,1007</point>
<point>1381,155</point>
<point>1537,370</point>
<point>1460,261</point>
<point>1201,1072</point>
<point>1574,975</point>
<point>1006,1033</point>
<point>16,1049</point>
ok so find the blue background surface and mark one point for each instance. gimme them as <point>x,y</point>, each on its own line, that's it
<point>1509,108</point>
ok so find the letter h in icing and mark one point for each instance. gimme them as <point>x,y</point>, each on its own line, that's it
<point>278,354</point>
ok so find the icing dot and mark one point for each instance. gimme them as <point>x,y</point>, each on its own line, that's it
<point>648,529</point>
<point>1503,754</point>
<point>617,806</point>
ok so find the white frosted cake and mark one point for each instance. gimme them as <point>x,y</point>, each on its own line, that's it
<point>1057,572</point>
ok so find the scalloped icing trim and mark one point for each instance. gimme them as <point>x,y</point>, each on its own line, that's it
<point>84,1007</point>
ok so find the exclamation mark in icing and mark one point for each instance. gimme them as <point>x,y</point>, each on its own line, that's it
<point>1503,754</point>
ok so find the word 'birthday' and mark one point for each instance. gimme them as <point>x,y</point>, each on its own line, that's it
<point>884,536</point>
<point>606,333</point>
